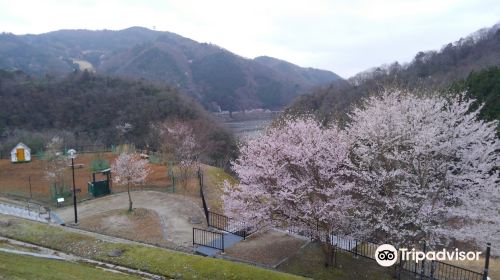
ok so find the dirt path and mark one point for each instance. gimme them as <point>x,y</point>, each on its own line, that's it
<point>174,210</point>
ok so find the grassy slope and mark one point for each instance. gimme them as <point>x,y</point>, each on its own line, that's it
<point>214,178</point>
<point>158,261</point>
<point>310,261</point>
<point>17,267</point>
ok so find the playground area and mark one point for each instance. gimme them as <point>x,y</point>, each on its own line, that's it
<point>29,180</point>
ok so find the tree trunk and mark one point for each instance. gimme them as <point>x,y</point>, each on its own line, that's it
<point>129,198</point>
<point>329,251</point>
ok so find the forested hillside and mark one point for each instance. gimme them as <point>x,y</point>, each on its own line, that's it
<point>436,70</point>
<point>216,77</point>
<point>484,86</point>
<point>88,109</point>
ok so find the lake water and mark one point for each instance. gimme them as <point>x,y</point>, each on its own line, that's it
<point>248,124</point>
<point>245,129</point>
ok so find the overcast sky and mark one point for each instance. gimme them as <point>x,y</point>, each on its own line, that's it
<point>342,36</point>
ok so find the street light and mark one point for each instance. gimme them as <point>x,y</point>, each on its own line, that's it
<point>72,156</point>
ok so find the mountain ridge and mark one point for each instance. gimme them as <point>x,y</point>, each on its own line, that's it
<point>218,78</point>
<point>434,70</point>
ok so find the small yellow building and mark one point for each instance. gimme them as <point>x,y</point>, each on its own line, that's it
<point>20,153</point>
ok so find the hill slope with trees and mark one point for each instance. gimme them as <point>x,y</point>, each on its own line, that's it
<point>484,86</point>
<point>216,77</point>
<point>428,71</point>
<point>85,109</point>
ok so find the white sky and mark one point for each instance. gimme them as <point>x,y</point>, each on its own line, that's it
<point>342,36</point>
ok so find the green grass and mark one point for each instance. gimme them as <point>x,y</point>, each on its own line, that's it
<point>4,244</point>
<point>155,260</point>
<point>310,261</point>
<point>214,179</point>
<point>17,267</point>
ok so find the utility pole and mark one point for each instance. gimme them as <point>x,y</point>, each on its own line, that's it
<point>72,155</point>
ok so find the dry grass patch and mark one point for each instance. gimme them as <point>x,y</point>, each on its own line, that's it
<point>268,248</point>
<point>141,225</point>
<point>214,178</point>
<point>309,262</point>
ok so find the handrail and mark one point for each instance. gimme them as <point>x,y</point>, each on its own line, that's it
<point>207,238</point>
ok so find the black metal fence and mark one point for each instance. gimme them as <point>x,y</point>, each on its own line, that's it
<point>202,195</point>
<point>208,238</point>
<point>433,270</point>
<point>404,269</point>
<point>219,221</point>
<point>227,224</point>
<point>425,270</point>
<point>430,270</point>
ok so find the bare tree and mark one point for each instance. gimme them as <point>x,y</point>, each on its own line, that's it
<point>55,163</point>
<point>180,144</point>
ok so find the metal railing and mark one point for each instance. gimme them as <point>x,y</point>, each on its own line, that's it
<point>202,195</point>
<point>208,238</point>
<point>435,270</point>
<point>219,221</point>
<point>39,209</point>
<point>227,224</point>
<point>424,270</point>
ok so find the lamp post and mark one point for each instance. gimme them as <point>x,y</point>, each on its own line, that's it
<point>72,156</point>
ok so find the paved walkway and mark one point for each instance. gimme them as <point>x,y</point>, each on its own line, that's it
<point>23,212</point>
<point>175,211</point>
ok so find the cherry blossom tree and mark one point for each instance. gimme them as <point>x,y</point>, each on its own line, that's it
<point>130,169</point>
<point>294,175</point>
<point>425,168</point>
<point>180,143</point>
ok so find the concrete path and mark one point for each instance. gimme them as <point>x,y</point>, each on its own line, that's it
<point>175,211</point>
<point>23,212</point>
<point>28,210</point>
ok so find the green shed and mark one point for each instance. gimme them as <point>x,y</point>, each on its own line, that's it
<point>102,187</point>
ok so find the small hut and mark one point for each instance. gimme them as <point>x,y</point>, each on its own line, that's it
<point>20,153</point>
